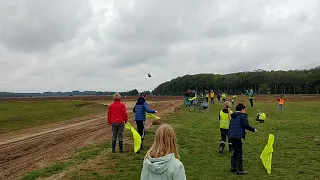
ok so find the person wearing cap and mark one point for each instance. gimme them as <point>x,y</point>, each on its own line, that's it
<point>140,109</point>
<point>117,116</point>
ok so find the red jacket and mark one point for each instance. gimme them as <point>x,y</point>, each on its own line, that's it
<point>117,113</point>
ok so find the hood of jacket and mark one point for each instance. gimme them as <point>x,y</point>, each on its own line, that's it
<point>161,164</point>
<point>225,110</point>
<point>140,101</point>
<point>237,113</point>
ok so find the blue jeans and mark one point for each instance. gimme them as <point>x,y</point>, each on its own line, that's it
<point>280,107</point>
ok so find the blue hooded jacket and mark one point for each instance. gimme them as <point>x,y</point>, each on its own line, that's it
<point>238,124</point>
<point>140,109</point>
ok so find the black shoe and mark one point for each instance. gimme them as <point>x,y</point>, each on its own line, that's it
<point>113,146</point>
<point>221,148</point>
<point>121,146</point>
<point>240,170</point>
<point>233,165</point>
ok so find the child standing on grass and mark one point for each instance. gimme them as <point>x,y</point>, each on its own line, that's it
<point>212,96</point>
<point>162,160</point>
<point>218,97</point>
<point>281,102</point>
<point>117,116</point>
<point>140,110</point>
<point>233,99</point>
<point>238,124</point>
<point>224,97</point>
<point>224,118</point>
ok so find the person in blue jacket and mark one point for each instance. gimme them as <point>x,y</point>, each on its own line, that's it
<point>238,124</point>
<point>140,110</point>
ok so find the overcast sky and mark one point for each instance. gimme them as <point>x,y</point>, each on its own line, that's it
<point>66,45</point>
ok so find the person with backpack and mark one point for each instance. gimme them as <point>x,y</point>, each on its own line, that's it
<point>238,124</point>
<point>224,118</point>
<point>162,160</point>
<point>140,110</point>
<point>117,116</point>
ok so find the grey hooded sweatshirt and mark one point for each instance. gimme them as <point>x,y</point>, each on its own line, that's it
<point>163,168</point>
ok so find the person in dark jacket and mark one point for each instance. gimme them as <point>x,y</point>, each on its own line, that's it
<point>140,110</point>
<point>238,124</point>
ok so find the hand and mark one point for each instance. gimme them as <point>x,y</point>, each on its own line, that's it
<point>156,111</point>
<point>109,124</point>
<point>255,130</point>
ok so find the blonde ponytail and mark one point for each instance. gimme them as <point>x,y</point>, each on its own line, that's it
<point>227,106</point>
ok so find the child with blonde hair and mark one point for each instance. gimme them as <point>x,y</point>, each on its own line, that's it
<point>224,118</point>
<point>162,159</point>
<point>117,116</point>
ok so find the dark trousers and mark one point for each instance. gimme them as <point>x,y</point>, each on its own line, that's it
<point>207,99</point>
<point>212,100</point>
<point>117,131</point>
<point>251,102</point>
<point>141,128</point>
<point>237,153</point>
<point>224,135</point>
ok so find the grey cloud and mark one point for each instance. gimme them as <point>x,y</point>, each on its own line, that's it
<point>35,25</point>
<point>112,45</point>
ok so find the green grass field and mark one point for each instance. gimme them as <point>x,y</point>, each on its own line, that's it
<point>296,147</point>
<point>20,115</point>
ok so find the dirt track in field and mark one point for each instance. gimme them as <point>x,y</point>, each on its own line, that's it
<point>37,147</point>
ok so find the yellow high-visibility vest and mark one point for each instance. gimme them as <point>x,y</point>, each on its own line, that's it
<point>224,96</point>
<point>224,120</point>
<point>262,116</point>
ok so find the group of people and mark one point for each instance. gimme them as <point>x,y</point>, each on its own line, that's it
<point>117,117</point>
<point>161,162</point>
<point>162,159</point>
<point>232,127</point>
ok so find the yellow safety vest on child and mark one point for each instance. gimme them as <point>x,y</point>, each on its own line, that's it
<point>224,120</point>
<point>262,116</point>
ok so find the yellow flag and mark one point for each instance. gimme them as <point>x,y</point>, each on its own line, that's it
<point>151,115</point>
<point>266,155</point>
<point>136,137</point>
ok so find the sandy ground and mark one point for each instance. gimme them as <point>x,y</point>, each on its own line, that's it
<point>37,147</point>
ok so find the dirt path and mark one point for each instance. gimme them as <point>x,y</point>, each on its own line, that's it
<point>37,147</point>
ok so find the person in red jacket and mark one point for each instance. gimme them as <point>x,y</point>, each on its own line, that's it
<point>117,116</point>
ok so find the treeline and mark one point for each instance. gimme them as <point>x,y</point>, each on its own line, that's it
<point>261,81</point>
<point>72,93</point>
